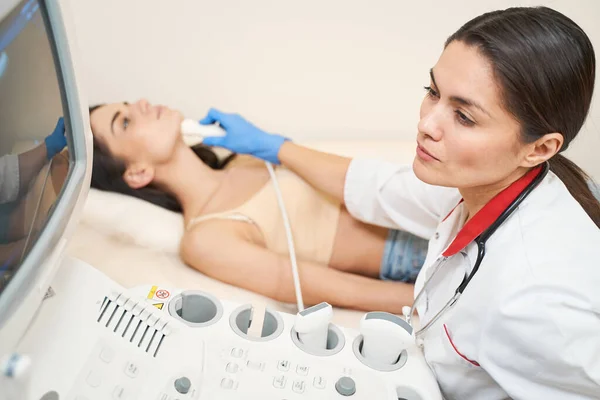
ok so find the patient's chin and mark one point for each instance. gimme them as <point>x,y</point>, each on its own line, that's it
<point>177,116</point>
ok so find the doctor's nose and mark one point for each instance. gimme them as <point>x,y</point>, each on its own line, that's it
<point>431,123</point>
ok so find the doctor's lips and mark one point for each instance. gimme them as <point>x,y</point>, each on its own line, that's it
<point>424,154</point>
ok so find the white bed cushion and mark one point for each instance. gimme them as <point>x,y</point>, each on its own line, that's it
<point>134,221</point>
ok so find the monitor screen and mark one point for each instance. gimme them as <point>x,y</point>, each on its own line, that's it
<point>33,170</point>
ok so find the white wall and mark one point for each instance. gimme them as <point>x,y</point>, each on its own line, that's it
<point>309,69</point>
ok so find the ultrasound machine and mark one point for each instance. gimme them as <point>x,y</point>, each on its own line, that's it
<point>69,332</point>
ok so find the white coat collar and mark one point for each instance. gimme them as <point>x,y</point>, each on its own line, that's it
<point>489,213</point>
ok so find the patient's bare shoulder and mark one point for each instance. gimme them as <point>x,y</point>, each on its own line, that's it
<point>215,236</point>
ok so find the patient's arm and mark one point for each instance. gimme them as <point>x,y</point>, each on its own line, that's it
<point>326,172</point>
<point>237,261</point>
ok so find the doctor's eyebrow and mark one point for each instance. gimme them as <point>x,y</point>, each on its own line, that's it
<point>457,99</point>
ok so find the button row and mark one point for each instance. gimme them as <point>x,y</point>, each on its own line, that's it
<point>233,368</point>
<point>131,369</point>
<point>279,381</point>
<point>299,386</point>
<point>284,366</point>
<point>94,379</point>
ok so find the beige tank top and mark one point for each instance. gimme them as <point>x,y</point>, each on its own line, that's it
<point>312,214</point>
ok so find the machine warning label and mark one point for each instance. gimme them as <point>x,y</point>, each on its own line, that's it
<point>162,294</point>
<point>159,305</point>
<point>152,291</point>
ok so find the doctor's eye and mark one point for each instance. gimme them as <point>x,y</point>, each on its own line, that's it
<point>431,92</point>
<point>125,123</point>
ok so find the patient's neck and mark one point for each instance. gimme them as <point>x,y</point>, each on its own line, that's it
<point>191,181</point>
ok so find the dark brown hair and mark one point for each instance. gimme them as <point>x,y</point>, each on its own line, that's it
<point>545,67</point>
<point>107,174</point>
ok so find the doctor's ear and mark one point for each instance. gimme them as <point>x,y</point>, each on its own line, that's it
<point>542,149</point>
<point>138,176</point>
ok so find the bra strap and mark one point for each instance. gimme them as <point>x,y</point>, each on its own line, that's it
<point>235,216</point>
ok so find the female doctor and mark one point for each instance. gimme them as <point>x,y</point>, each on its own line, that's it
<point>508,298</point>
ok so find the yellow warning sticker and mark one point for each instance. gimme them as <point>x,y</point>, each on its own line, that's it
<point>159,305</point>
<point>152,291</point>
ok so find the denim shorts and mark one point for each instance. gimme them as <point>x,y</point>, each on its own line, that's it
<point>403,256</point>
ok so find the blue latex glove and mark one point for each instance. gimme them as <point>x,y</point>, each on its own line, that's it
<point>242,137</point>
<point>56,141</point>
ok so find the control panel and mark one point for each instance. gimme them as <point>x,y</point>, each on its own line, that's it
<point>94,340</point>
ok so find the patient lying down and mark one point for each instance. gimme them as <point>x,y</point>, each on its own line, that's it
<point>234,230</point>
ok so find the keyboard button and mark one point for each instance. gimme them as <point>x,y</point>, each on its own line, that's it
<point>255,365</point>
<point>319,382</point>
<point>232,368</point>
<point>302,370</point>
<point>119,393</point>
<point>345,386</point>
<point>283,365</point>
<point>94,379</point>
<point>237,352</point>
<point>227,383</point>
<point>279,382</point>
<point>298,387</point>
<point>183,385</point>
<point>131,370</point>
<point>107,354</point>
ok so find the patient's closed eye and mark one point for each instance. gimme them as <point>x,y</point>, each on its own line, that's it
<point>125,123</point>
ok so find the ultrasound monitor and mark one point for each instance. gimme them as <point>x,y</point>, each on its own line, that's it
<point>39,197</point>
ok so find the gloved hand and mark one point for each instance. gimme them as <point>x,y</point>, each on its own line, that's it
<point>56,141</point>
<point>242,137</point>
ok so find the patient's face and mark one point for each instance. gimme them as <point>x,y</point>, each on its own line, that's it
<point>138,132</point>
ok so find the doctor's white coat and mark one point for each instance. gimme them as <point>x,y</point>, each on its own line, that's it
<point>528,324</point>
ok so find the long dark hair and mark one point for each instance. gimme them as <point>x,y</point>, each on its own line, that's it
<point>107,174</point>
<point>545,67</point>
